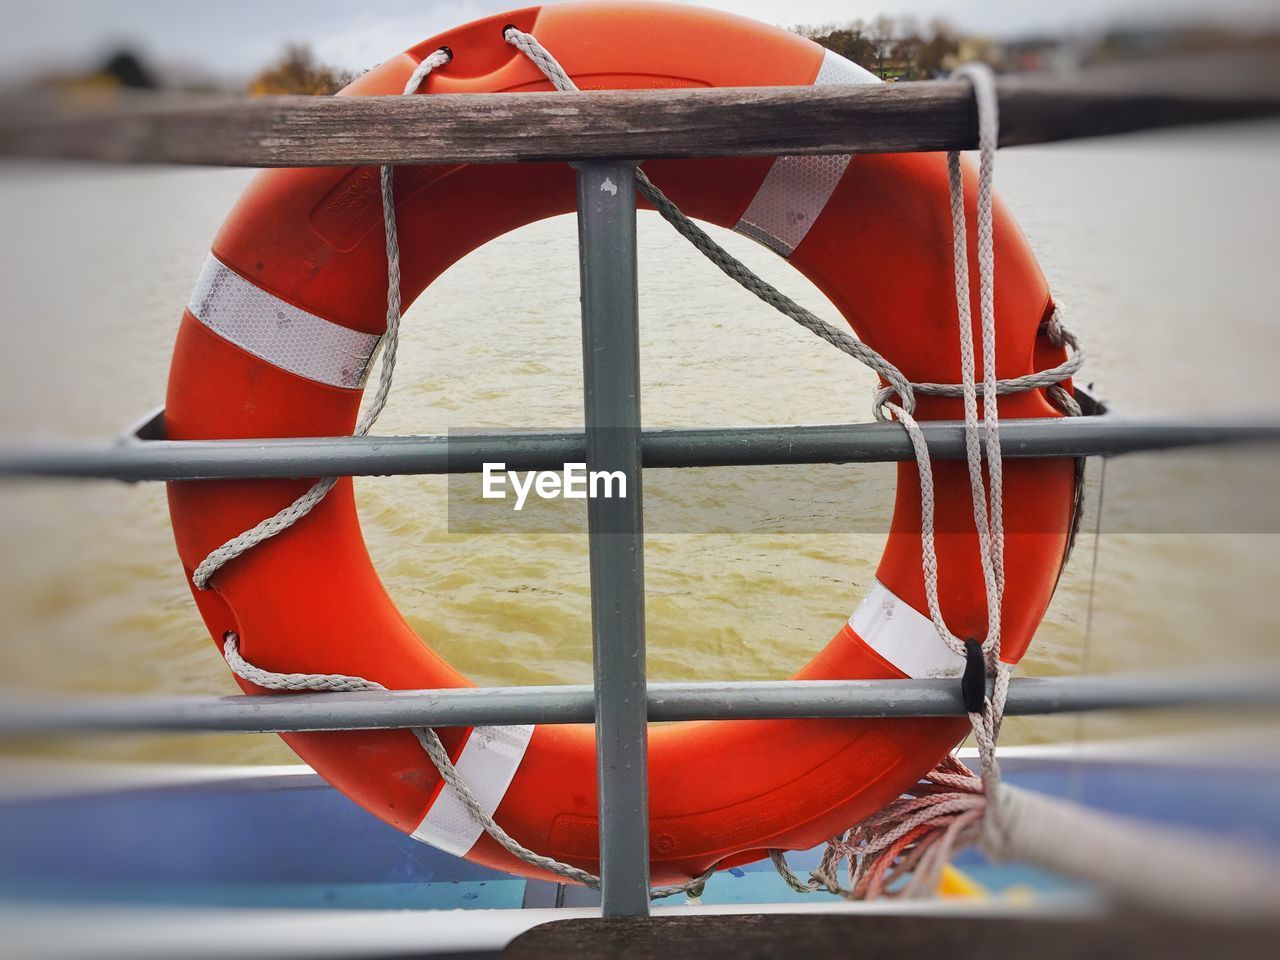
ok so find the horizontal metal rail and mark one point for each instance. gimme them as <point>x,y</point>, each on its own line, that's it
<point>1106,435</point>
<point>626,124</point>
<point>26,716</point>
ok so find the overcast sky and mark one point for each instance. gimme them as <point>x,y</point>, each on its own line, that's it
<point>235,37</point>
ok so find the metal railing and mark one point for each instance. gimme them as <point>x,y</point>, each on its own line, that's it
<point>619,701</point>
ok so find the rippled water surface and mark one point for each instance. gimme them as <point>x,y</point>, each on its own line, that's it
<point>1162,249</point>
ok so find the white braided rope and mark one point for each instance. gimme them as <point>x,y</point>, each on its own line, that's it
<point>971,812</point>
<point>915,837</point>
<point>337,682</point>
<point>728,264</point>
<point>988,516</point>
<point>303,505</point>
<point>286,518</point>
<point>988,513</point>
<point>435,750</point>
<point>897,384</point>
<point>843,340</point>
<point>986,725</point>
<point>984,91</point>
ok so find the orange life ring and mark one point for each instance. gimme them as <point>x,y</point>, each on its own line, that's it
<point>290,307</point>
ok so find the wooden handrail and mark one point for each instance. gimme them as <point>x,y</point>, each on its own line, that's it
<point>738,121</point>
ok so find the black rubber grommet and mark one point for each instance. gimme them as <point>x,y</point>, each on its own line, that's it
<point>973,685</point>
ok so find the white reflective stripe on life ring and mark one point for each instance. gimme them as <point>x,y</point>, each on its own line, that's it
<point>278,332</point>
<point>903,635</point>
<point>488,763</point>
<point>797,188</point>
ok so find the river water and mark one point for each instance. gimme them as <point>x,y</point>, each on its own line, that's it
<point>1161,248</point>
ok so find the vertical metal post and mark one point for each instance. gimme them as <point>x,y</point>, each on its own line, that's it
<point>611,375</point>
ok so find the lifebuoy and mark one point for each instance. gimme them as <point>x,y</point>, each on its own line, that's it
<point>286,316</point>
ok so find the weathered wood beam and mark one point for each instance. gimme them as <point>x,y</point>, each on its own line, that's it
<point>742,121</point>
<point>1051,931</point>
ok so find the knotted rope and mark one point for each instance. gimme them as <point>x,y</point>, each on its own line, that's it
<point>291,514</point>
<point>843,340</point>
<point>435,750</point>
<point>915,834</point>
<point>913,838</point>
<point>295,511</point>
<point>934,824</point>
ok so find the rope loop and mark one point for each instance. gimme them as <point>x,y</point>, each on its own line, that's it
<point>440,759</point>
<point>287,517</point>
<point>902,849</point>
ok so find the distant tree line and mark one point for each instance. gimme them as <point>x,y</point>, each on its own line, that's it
<point>901,49</point>
<point>893,49</point>
<point>298,71</point>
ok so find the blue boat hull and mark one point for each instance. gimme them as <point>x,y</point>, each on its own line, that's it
<point>289,840</point>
